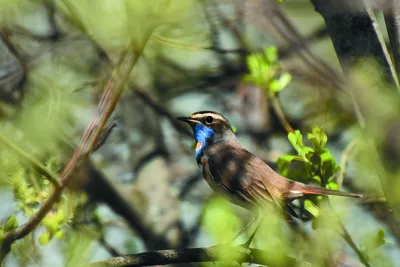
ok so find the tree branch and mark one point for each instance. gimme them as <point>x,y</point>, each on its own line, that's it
<point>212,254</point>
<point>392,19</point>
<point>352,32</point>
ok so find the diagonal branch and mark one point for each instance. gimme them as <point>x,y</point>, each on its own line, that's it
<point>212,254</point>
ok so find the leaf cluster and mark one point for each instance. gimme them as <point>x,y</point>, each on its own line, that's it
<point>312,164</point>
<point>266,72</point>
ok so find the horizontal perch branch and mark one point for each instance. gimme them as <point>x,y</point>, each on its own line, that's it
<point>212,254</point>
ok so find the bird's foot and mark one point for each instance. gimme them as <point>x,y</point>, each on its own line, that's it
<point>244,248</point>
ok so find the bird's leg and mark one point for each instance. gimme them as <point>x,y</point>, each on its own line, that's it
<point>301,208</point>
<point>247,244</point>
<point>243,229</point>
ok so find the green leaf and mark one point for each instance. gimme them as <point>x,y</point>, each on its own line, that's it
<point>284,161</point>
<point>11,223</point>
<point>271,54</point>
<point>259,69</point>
<point>311,207</point>
<point>1,234</point>
<point>332,185</point>
<point>318,137</point>
<point>380,238</point>
<point>296,139</point>
<point>60,235</point>
<point>284,80</point>
<point>275,87</point>
<point>234,129</point>
<point>328,165</point>
<point>45,238</point>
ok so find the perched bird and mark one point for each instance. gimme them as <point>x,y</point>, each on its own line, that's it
<point>240,176</point>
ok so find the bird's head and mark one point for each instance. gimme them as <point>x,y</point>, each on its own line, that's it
<point>208,127</point>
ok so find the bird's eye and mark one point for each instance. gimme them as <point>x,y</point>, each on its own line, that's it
<point>209,119</point>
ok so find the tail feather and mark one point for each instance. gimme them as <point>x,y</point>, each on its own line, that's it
<point>315,190</point>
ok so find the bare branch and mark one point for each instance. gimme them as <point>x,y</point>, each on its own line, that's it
<point>212,254</point>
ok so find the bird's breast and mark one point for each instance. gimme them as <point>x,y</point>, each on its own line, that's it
<point>207,175</point>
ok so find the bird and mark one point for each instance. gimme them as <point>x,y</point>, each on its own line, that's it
<point>240,176</point>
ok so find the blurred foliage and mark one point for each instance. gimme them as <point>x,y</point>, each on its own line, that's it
<point>136,19</point>
<point>57,101</point>
<point>78,247</point>
<point>265,71</point>
<point>220,221</point>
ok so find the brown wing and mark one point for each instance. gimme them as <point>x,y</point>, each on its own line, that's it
<point>242,174</point>
<point>250,181</point>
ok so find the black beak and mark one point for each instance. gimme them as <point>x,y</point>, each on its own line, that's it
<point>187,120</point>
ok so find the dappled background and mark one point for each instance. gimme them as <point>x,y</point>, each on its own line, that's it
<point>269,67</point>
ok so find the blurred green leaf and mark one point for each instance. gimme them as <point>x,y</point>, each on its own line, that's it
<point>297,141</point>
<point>11,223</point>
<point>45,238</point>
<point>259,70</point>
<point>380,238</point>
<point>79,245</point>
<point>234,129</point>
<point>311,207</point>
<point>271,54</point>
<point>1,234</point>
<point>318,137</point>
<point>60,235</point>
<point>281,83</point>
<point>332,185</point>
<point>219,220</point>
<point>328,165</point>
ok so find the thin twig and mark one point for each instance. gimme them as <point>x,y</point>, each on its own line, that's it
<point>212,254</point>
<point>163,112</point>
<point>384,47</point>
<point>347,237</point>
<point>281,116</point>
<point>343,161</point>
<point>349,240</point>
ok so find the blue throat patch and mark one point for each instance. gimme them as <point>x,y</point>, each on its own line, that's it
<point>202,134</point>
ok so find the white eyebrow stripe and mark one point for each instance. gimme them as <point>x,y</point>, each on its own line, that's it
<point>214,115</point>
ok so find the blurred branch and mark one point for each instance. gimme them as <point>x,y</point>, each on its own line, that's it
<point>281,116</point>
<point>212,254</point>
<point>392,19</point>
<point>178,44</point>
<point>233,27</point>
<point>189,183</point>
<point>289,33</point>
<point>346,236</point>
<point>5,37</point>
<point>292,48</point>
<point>163,112</point>
<point>352,32</point>
<point>343,161</point>
<point>100,189</point>
<point>381,40</point>
<point>111,250</point>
